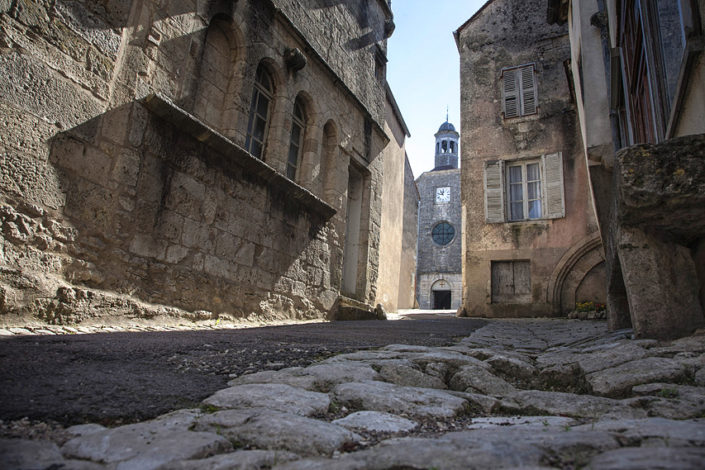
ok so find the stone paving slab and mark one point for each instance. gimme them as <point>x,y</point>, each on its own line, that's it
<point>414,401</point>
<point>274,396</point>
<point>273,430</point>
<point>527,396</point>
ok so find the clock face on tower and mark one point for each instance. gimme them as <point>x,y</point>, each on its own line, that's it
<point>443,194</point>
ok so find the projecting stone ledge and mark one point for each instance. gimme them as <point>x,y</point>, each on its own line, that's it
<point>191,125</point>
<point>662,186</point>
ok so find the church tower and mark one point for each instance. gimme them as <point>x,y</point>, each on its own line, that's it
<point>447,147</point>
<point>439,258</point>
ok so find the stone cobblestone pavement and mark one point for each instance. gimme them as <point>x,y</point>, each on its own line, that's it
<point>524,394</point>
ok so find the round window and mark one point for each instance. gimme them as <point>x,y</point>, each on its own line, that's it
<point>443,233</point>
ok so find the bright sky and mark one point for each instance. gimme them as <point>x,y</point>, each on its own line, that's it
<point>423,70</point>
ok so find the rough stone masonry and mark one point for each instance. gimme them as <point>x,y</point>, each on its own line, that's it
<point>128,181</point>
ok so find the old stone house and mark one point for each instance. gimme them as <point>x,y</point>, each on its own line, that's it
<point>531,241</point>
<point>400,205</point>
<point>439,277</point>
<point>639,73</point>
<point>212,157</point>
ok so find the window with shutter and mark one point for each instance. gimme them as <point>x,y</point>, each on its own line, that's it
<point>519,93</point>
<point>494,192</point>
<point>528,91</point>
<point>553,187</point>
<point>511,94</point>
<point>524,190</point>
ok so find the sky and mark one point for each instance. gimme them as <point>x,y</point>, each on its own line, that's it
<point>423,70</point>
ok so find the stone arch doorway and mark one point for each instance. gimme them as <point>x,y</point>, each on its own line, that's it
<point>441,295</point>
<point>579,276</point>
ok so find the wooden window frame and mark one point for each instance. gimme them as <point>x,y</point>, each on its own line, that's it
<point>298,121</point>
<point>520,95</point>
<point>653,109</point>
<point>261,91</point>
<point>524,190</point>
<point>496,189</point>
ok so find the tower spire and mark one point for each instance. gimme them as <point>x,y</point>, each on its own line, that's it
<point>446,113</point>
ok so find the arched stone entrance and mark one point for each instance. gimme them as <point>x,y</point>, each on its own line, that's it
<point>441,295</point>
<point>579,276</point>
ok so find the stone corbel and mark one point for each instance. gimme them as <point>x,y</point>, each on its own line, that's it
<point>389,28</point>
<point>294,59</point>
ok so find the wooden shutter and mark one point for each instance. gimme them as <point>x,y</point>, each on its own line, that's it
<point>553,194</point>
<point>494,192</point>
<point>528,91</point>
<point>510,93</point>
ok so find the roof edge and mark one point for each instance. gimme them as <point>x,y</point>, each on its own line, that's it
<point>397,111</point>
<point>457,32</point>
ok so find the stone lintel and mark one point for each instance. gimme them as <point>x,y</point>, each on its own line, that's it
<point>182,120</point>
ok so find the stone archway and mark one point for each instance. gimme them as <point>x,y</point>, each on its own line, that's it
<point>579,276</point>
<point>441,295</point>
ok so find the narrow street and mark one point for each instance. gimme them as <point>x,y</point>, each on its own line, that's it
<point>128,376</point>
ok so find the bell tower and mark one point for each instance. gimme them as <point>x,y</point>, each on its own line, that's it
<point>447,139</point>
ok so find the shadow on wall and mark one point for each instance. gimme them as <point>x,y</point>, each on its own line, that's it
<point>173,213</point>
<point>116,13</point>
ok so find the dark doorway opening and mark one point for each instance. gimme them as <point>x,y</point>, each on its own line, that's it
<point>441,300</point>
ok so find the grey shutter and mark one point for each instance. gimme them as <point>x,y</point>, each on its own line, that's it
<point>553,200</point>
<point>528,90</point>
<point>510,93</point>
<point>494,192</point>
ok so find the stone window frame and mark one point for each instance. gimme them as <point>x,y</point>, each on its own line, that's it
<point>263,91</point>
<point>520,95</point>
<point>296,143</point>
<point>552,188</point>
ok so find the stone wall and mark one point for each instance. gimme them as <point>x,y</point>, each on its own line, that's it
<point>399,208</point>
<point>114,197</point>
<point>505,34</point>
<point>407,272</point>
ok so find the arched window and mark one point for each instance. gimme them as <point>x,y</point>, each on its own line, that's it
<point>296,140</point>
<point>260,111</point>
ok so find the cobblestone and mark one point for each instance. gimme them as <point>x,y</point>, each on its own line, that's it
<point>401,426</point>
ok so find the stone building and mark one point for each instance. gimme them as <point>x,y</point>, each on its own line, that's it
<point>183,157</point>
<point>639,75</point>
<point>439,278</point>
<point>531,241</point>
<point>400,205</point>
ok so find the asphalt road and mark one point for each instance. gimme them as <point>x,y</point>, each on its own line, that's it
<point>115,378</point>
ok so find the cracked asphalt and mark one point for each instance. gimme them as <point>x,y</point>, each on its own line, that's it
<point>114,378</point>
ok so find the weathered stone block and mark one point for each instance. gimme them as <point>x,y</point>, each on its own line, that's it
<point>148,247</point>
<point>31,13</point>
<point>661,283</point>
<point>663,186</point>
